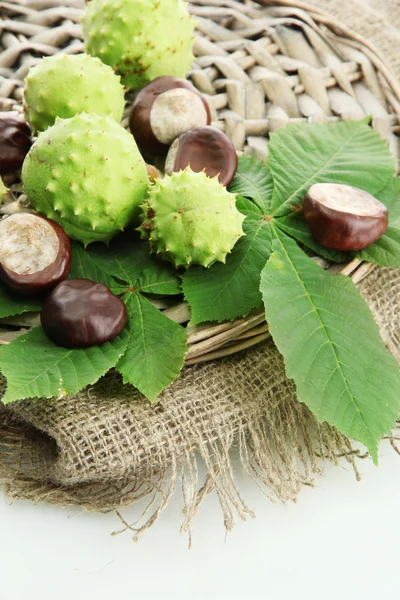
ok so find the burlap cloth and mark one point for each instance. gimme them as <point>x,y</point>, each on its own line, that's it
<point>107,447</point>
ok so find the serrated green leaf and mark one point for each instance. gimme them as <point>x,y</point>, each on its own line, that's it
<point>390,197</point>
<point>349,152</point>
<point>13,304</point>
<point>386,251</point>
<point>160,279</point>
<point>37,368</point>
<point>129,259</point>
<point>253,180</point>
<point>331,345</point>
<point>156,348</point>
<point>248,208</point>
<point>84,265</point>
<point>294,225</point>
<point>225,292</point>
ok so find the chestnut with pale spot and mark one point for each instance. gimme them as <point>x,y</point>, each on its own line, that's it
<point>343,217</point>
<point>204,149</point>
<point>35,253</point>
<point>163,110</point>
<point>80,313</point>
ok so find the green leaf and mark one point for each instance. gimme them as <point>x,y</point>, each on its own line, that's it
<point>225,292</point>
<point>386,251</point>
<point>128,259</point>
<point>36,368</point>
<point>156,348</point>
<point>349,152</point>
<point>390,197</point>
<point>331,345</point>
<point>13,304</point>
<point>253,180</point>
<point>294,225</point>
<point>84,265</point>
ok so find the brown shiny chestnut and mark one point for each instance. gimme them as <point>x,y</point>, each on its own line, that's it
<point>35,253</point>
<point>163,110</point>
<point>204,148</point>
<point>15,141</point>
<point>80,313</point>
<point>343,217</point>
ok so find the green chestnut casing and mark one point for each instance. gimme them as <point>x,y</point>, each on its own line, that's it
<point>140,39</point>
<point>65,85</point>
<point>189,218</point>
<point>86,173</point>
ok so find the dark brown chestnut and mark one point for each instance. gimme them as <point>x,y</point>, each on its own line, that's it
<point>15,141</point>
<point>204,149</point>
<point>343,217</point>
<point>163,110</point>
<point>35,253</point>
<point>80,313</point>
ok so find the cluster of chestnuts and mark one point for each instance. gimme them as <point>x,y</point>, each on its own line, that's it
<point>35,252</point>
<point>170,117</point>
<point>35,260</point>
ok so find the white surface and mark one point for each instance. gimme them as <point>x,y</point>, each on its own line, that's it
<point>341,541</point>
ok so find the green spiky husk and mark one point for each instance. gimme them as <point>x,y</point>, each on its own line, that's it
<point>86,173</point>
<point>140,39</point>
<point>65,85</point>
<point>189,218</point>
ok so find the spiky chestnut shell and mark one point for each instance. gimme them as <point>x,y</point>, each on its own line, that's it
<point>86,173</point>
<point>189,218</point>
<point>65,85</point>
<point>140,39</point>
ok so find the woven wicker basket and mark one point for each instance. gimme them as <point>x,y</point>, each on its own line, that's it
<point>262,66</point>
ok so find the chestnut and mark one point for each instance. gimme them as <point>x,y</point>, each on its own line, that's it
<point>204,149</point>
<point>35,253</point>
<point>15,141</point>
<point>343,217</point>
<point>80,313</point>
<point>163,110</point>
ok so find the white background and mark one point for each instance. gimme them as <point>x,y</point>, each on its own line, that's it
<point>339,542</point>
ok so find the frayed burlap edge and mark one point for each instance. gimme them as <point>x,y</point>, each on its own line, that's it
<point>280,448</point>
